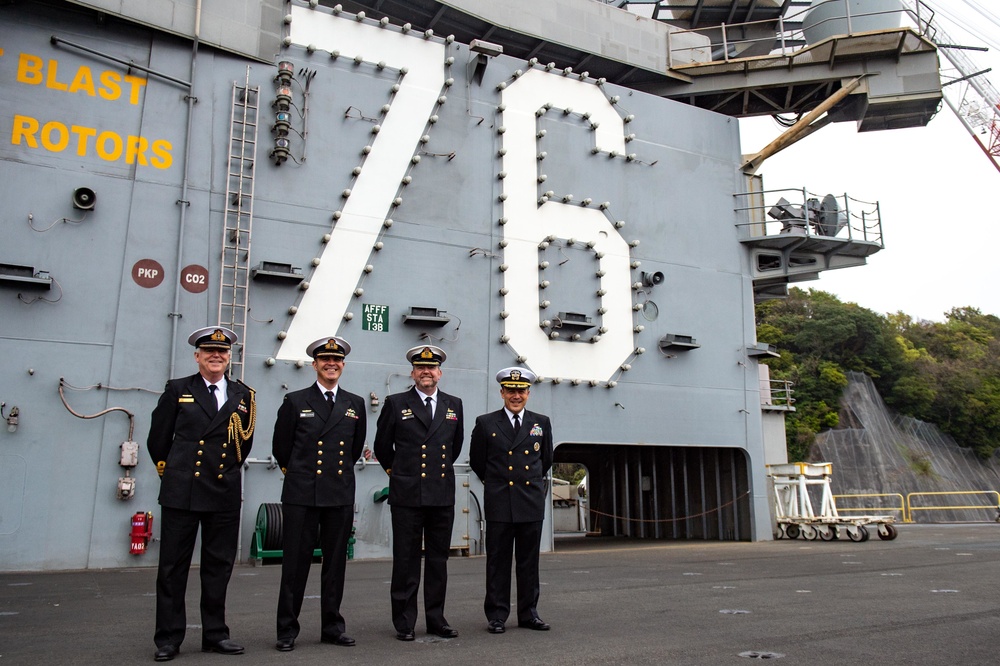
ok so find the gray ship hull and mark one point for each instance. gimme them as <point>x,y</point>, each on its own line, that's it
<point>481,203</point>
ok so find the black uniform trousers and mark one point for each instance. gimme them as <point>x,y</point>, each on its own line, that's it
<point>300,528</point>
<point>432,524</point>
<point>523,541</point>
<point>220,532</point>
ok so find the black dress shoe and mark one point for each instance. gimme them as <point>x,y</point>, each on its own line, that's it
<point>342,639</point>
<point>496,627</point>
<point>406,635</point>
<point>534,623</point>
<point>225,646</point>
<point>285,645</point>
<point>166,653</point>
<point>444,632</point>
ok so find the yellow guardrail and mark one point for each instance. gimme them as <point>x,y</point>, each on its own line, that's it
<point>993,507</point>
<point>904,516</point>
<point>905,506</point>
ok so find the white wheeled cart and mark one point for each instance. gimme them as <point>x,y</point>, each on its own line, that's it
<point>794,509</point>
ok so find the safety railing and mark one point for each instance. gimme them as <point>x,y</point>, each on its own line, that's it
<point>900,508</point>
<point>780,37</point>
<point>803,213</point>
<point>779,393</point>
<point>994,508</point>
<point>904,506</point>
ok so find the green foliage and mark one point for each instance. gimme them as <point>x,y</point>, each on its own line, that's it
<point>920,463</point>
<point>946,373</point>
<point>572,472</point>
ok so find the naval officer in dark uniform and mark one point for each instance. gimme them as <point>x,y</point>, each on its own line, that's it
<point>199,434</point>
<point>419,437</point>
<point>318,436</point>
<point>511,453</point>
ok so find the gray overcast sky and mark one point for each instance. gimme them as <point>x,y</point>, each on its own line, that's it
<point>939,196</point>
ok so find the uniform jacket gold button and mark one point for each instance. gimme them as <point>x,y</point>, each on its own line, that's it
<point>527,483</point>
<point>423,476</point>
<point>222,467</point>
<point>225,446</point>
<point>341,463</point>
<point>340,472</point>
<point>197,473</point>
<point>319,471</point>
<point>201,442</point>
<point>526,452</point>
<point>423,465</point>
<point>319,443</point>
<point>198,464</point>
<point>320,452</point>
<point>223,455</point>
<point>220,476</point>
<point>319,462</point>
<point>510,483</point>
<point>200,452</point>
<point>510,469</point>
<point>424,446</point>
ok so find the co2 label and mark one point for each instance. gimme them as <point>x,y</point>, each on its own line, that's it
<point>194,278</point>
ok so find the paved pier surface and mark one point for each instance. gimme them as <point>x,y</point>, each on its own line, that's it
<point>929,597</point>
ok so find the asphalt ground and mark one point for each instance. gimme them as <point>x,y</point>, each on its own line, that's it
<point>928,597</point>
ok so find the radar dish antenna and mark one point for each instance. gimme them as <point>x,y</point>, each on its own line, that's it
<point>830,219</point>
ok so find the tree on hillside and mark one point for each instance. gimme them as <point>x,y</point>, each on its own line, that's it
<point>944,373</point>
<point>952,377</point>
<point>820,340</point>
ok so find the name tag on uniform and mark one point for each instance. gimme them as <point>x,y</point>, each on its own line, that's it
<point>307,414</point>
<point>186,398</point>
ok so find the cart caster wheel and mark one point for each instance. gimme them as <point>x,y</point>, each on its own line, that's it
<point>857,533</point>
<point>792,531</point>
<point>887,532</point>
<point>809,533</point>
<point>865,534</point>
<point>828,534</point>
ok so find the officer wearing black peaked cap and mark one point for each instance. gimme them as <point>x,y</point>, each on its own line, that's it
<point>511,453</point>
<point>199,434</point>
<point>318,436</point>
<point>419,438</point>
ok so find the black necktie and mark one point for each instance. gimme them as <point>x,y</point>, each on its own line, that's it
<point>212,388</point>
<point>329,402</point>
<point>517,423</point>
<point>430,406</point>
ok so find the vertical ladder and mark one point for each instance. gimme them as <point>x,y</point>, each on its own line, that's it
<point>235,278</point>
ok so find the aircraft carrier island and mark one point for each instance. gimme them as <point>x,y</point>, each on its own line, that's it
<point>554,185</point>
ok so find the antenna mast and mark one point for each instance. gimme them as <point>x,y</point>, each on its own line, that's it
<point>967,92</point>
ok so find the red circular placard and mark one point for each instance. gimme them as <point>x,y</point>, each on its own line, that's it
<point>147,273</point>
<point>194,278</point>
